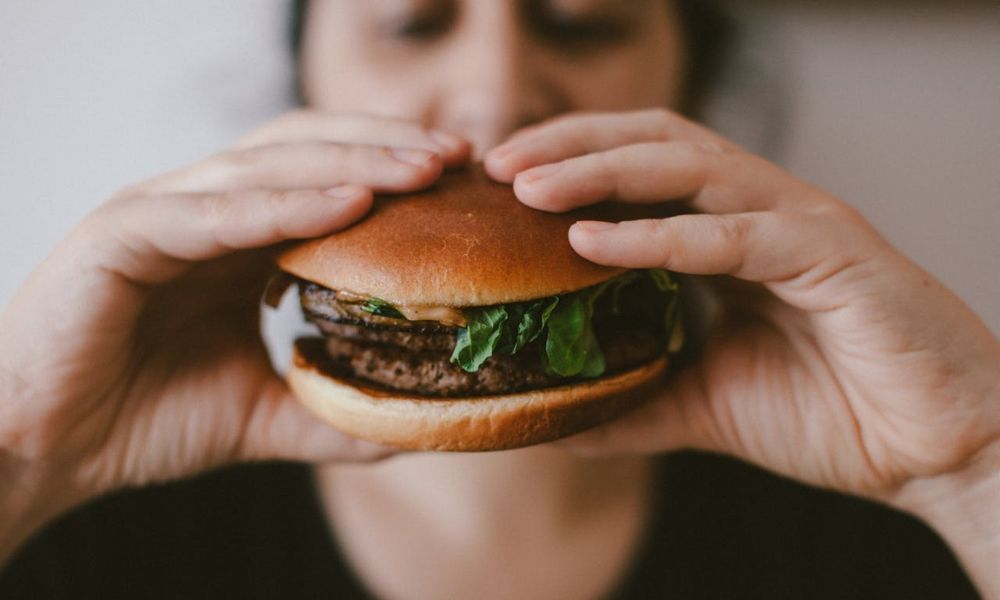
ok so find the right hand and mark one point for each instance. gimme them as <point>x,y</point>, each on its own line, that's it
<point>133,353</point>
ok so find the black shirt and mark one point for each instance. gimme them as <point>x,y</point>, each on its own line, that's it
<point>722,529</point>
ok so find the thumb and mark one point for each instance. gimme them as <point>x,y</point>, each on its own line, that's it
<point>678,417</point>
<point>280,428</point>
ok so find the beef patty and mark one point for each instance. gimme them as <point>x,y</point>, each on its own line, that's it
<point>414,356</point>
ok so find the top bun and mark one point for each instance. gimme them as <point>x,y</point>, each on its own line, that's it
<point>467,241</point>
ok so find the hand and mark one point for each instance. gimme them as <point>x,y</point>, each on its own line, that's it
<point>133,353</point>
<point>835,361</point>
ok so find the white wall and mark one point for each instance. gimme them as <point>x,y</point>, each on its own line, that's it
<point>101,93</point>
<point>896,110</point>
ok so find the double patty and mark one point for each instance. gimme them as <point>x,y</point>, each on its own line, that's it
<point>414,356</point>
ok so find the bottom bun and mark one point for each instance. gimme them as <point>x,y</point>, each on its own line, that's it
<point>478,423</point>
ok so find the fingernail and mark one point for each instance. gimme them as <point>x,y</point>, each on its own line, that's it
<point>343,192</point>
<point>446,140</point>
<point>594,226</point>
<point>417,158</point>
<point>539,173</point>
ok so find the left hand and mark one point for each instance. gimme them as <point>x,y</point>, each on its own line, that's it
<point>837,361</point>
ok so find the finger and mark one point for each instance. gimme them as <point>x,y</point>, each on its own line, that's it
<point>673,420</point>
<point>150,240</point>
<point>718,404</point>
<point>280,428</point>
<point>315,165</point>
<point>579,134</point>
<point>714,178</point>
<point>768,247</point>
<point>312,126</point>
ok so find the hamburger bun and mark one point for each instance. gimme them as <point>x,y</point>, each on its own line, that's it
<point>467,241</point>
<point>464,244</point>
<point>473,424</point>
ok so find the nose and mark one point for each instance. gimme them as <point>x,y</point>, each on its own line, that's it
<point>496,84</point>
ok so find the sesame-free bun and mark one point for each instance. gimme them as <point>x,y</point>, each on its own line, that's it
<point>464,424</point>
<point>467,241</point>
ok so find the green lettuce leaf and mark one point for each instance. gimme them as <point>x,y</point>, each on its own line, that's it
<point>571,346</point>
<point>480,337</point>
<point>533,322</point>
<point>565,322</point>
<point>507,343</point>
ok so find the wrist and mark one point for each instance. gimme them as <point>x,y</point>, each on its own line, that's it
<point>24,504</point>
<point>964,508</point>
<point>30,493</point>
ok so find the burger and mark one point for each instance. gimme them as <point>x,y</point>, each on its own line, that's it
<point>458,319</point>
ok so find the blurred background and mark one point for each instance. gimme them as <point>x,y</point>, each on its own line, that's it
<point>894,107</point>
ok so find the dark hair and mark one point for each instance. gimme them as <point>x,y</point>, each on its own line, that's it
<point>709,35</point>
<point>708,40</point>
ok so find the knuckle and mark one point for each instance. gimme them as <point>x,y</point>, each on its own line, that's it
<point>604,167</point>
<point>822,211</point>
<point>702,152</point>
<point>115,213</point>
<point>688,152</point>
<point>367,156</point>
<point>710,148</point>
<point>670,254</point>
<point>214,209</point>
<point>336,149</point>
<point>735,229</point>
<point>784,221</point>
<point>828,207</point>
<point>693,168</point>
<point>277,207</point>
<point>94,224</point>
<point>709,161</point>
<point>661,119</point>
<point>277,202</point>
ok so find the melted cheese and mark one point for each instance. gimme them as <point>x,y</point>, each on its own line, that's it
<point>447,315</point>
<point>443,314</point>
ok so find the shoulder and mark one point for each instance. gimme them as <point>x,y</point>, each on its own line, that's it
<point>172,540</point>
<point>737,531</point>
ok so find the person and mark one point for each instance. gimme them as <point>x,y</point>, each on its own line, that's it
<point>132,355</point>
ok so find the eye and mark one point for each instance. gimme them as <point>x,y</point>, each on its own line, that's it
<point>584,29</point>
<point>582,32</point>
<point>422,26</point>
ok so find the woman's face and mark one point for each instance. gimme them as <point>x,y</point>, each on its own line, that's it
<point>484,68</point>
